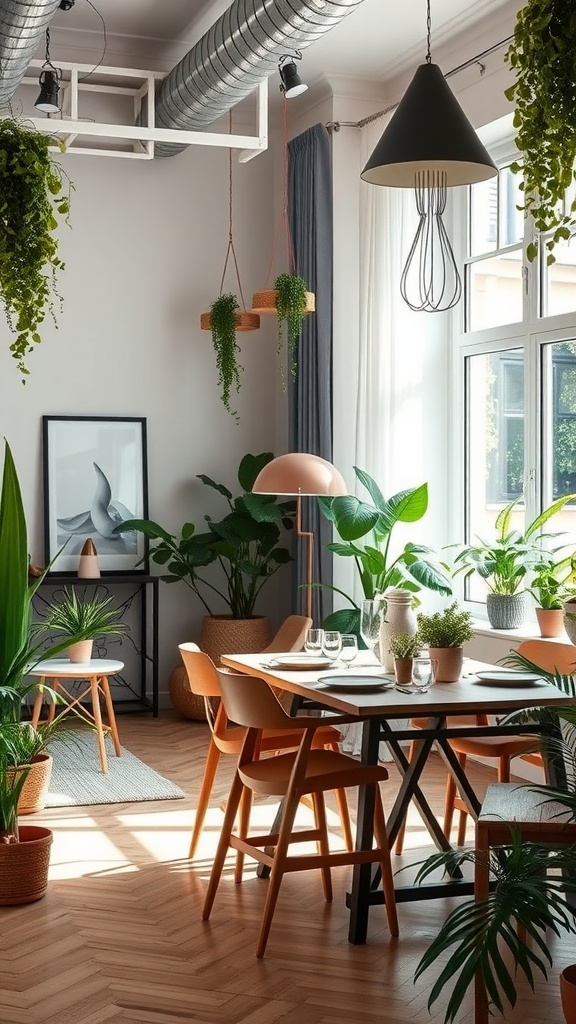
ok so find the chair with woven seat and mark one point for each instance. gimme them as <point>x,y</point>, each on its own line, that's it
<point>306,771</point>
<point>227,738</point>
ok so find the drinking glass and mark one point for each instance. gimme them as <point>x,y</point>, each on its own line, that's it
<point>370,621</point>
<point>313,641</point>
<point>423,673</point>
<point>349,649</point>
<point>332,644</point>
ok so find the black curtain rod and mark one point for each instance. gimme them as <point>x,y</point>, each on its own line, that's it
<point>337,125</point>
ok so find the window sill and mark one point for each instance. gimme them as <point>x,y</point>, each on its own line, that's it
<point>529,631</point>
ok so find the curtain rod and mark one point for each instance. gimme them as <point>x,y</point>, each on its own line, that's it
<point>337,125</point>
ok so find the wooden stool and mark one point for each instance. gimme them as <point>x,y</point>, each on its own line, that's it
<point>95,672</point>
<point>507,807</point>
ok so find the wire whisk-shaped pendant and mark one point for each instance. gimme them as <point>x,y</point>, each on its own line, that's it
<point>430,280</point>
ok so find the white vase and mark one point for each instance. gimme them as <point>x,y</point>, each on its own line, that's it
<point>398,618</point>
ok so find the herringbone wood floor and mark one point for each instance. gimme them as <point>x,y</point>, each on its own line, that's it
<point>119,938</point>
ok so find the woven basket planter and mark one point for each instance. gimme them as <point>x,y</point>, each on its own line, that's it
<point>189,705</point>
<point>506,611</point>
<point>35,789</point>
<point>24,866</point>
<point>265,302</point>
<point>244,321</point>
<point>221,634</point>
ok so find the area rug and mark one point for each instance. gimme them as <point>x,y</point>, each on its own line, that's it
<point>77,777</point>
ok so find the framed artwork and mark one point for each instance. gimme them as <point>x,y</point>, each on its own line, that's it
<point>95,478</point>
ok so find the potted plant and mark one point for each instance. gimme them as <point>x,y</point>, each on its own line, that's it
<point>224,320</point>
<point>505,562</point>
<point>291,301</point>
<point>444,634</point>
<point>244,546</point>
<point>404,647</point>
<point>413,568</point>
<point>541,57</point>
<point>552,585</point>
<point>92,617</point>
<point>34,193</point>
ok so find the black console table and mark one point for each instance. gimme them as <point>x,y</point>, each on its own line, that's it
<point>136,597</point>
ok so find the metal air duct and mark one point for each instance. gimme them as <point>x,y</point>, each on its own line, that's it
<point>22,28</point>
<point>237,53</point>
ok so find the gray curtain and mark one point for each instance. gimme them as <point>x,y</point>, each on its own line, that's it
<point>310,393</point>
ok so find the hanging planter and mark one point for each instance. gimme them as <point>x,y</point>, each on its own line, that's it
<point>33,192</point>
<point>542,56</point>
<point>226,317</point>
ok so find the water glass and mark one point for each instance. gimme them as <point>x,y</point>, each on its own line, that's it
<point>371,618</point>
<point>313,641</point>
<point>423,673</point>
<point>332,644</point>
<point>349,649</point>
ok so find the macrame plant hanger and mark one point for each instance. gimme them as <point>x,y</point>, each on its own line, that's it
<point>245,320</point>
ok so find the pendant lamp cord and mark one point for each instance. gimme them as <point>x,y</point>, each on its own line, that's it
<point>428,33</point>
<point>230,250</point>
<point>283,220</point>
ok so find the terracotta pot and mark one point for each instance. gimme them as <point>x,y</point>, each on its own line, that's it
<point>550,621</point>
<point>449,662</point>
<point>221,634</point>
<point>403,670</point>
<point>35,789</point>
<point>24,866</point>
<point>81,652</point>
<point>568,993</point>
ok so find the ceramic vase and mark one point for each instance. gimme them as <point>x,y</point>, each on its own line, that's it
<point>399,617</point>
<point>88,566</point>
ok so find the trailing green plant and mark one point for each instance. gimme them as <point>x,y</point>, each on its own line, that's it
<point>34,192</point>
<point>542,56</point>
<point>504,563</point>
<point>290,307</point>
<point>405,645</point>
<point>244,545</point>
<point>553,582</point>
<point>412,568</point>
<point>451,627</point>
<point>223,318</point>
<point>93,617</point>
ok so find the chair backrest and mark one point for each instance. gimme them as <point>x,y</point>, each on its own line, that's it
<point>249,701</point>
<point>290,636</point>
<point>550,656</point>
<point>202,674</point>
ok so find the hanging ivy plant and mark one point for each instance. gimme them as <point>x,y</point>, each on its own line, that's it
<point>223,320</point>
<point>543,57</point>
<point>290,307</point>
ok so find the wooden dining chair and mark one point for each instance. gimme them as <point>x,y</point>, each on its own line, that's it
<point>290,636</point>
<point>309,770</point>
<point>227,738</point>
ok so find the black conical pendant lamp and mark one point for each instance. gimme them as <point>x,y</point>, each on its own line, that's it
<point>429,145</point>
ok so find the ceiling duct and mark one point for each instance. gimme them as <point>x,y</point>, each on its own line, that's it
<point>237,53</point>
<point>22,28</point>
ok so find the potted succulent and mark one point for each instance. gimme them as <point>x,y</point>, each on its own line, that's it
<point>541,56</point>
<point>444,634</point>
<point>552,585</point>
<point>404,647</point>
<point>93,617</point>
<point>34,193</point>
<point>505,563</point>
<point>415,567</point>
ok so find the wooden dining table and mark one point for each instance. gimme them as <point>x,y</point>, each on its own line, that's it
<point>386,714</point>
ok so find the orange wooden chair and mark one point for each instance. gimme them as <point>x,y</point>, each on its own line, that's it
<point>227,738</point>
<point>290,636</point>
<point>291,776</point>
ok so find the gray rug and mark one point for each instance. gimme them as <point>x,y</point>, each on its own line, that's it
<point>77,777</point>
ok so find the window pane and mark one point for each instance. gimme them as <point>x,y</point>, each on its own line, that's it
<point>560,427</point>
<point>559,288</point>
<point>495,291</point>
<point>483,217</point>
<point>511,218</point>
<point>495,456</point>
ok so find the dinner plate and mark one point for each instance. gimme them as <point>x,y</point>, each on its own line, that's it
<point>508,677</point>
<point>351,682</point>
<point>300,661</point>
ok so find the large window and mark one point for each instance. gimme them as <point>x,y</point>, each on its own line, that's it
<point>518,352</point>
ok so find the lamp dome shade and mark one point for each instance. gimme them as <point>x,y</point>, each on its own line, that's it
<point>299,473</point>
<point>428,131</point>
<point>292,85</point>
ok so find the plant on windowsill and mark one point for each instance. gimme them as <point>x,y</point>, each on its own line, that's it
<point>34,193</point>
<point>553,584</point>
<point>505,562</point>
<point>444,633</point>
<point>415,567</point>
<point>541,56</point>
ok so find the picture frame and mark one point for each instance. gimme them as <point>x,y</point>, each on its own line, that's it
<point>95,476</point>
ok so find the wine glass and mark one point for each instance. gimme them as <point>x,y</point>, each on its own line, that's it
<point>332,644</point>
<point>313,641</point>
<point>370,621</point>
<point>349,649</point>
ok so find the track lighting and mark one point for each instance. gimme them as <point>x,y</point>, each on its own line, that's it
<point>291,84</point>
<point>49,84</point>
